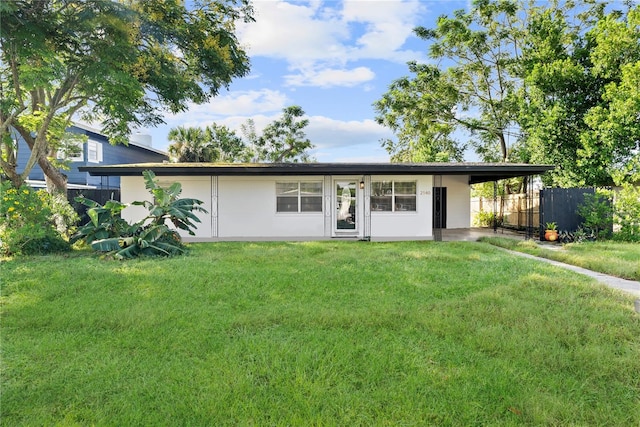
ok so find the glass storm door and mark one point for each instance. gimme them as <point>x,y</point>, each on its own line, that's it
<point>345,219</point>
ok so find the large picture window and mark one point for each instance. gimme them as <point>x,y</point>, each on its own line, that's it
<point>393,196</point>
<point>299,196</point>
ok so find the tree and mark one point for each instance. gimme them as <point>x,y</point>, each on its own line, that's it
<point>561,79</point>
<point>283,140</point>
<point>190,145</point>
<point>421,112</point>
<point>615,123</point>
<point>119,63</point>
<point>213,143</point>
<point>470,89</point>
<point>580,98</point>
<point>229,146</point>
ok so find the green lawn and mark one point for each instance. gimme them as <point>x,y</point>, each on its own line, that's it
<point>614,258</point>
<point>322,333</point>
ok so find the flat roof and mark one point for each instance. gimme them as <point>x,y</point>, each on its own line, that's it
<point>477,172</point>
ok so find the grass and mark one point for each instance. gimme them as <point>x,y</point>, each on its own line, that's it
<point>321,333</point>
<point>613,258</point>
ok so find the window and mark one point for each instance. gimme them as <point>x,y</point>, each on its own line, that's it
<point>299,197</point>
<point>73,152</point>
<point>94,152</point>
<point>393,196</point>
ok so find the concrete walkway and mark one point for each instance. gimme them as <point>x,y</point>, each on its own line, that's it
<point>473,234</point>
<point>629,286</point>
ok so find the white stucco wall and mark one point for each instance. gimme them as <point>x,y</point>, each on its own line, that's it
<point>458,201</point>
<point>196,187</point>
<point>247,208</point>
<point>244,207</point>
<point>414,225</point>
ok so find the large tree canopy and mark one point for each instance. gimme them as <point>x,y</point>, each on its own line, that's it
<point>580,101</point>
<point>555,84</point>
<point>468,89</point>
<point>120,63</point>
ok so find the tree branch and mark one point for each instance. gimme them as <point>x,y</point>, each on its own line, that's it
<point>15,76</point>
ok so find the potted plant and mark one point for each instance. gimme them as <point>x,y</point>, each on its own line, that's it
<point>551,231</point>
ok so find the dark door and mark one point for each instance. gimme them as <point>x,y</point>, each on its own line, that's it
<point>439,207</point>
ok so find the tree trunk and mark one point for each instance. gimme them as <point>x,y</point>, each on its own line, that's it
<point>10,170</point>
<point>503,147</point>
<point>8,161</point>
<point>56,180</point>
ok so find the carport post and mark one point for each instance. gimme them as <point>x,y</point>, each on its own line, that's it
<point>495,207</point>
<point>529,206</point>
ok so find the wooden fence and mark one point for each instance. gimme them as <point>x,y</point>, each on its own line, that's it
<point>559,205</point>
<point>512,210</point>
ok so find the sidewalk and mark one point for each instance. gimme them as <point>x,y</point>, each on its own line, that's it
<point>629,286</point>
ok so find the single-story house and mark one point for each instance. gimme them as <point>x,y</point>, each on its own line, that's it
<point>314,201</point>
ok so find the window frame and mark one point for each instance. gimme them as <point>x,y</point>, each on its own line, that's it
<point>394,196</point>
<point>74,159</point>
<point>98,151</point>
<point>300,197</point>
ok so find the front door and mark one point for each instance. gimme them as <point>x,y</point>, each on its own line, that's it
<point>439,207</point>
<point>345,221</point>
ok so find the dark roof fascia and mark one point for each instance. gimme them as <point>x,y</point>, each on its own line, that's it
<point>478,172</point>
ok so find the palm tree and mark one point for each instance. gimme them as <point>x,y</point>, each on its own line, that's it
<point>191,145</point>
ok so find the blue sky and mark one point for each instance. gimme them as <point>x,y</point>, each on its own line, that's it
<point>332,58</point>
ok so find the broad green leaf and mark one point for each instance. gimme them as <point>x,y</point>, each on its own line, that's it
<point>107,245</point>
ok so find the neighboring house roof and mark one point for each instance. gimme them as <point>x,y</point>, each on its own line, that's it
<point>132,139</point>
<point>478,172</point>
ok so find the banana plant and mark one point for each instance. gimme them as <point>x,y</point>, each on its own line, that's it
<point>168,207</point>
<point>154,235</point>
<point>104,221</point>
<point>153,241</point>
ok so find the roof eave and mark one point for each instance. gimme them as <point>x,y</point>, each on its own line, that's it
<point>478,172</point>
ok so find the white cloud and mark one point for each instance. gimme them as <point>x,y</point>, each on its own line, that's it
<point>330,77</point>
<point>347,141</point>
<point>293,32</point>
<point>375,154</point>
<point>328,133</point>
<point>319,39</point>
<point>239,103</point>
<point>388,26</point>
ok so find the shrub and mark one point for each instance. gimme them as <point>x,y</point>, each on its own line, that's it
<point>485,219</point>
<point>46,244</point>
<point>627,213</point>
<point>33,222</point>
<point>63,215</point>
<point>597,212</point>
<point>104,221</point>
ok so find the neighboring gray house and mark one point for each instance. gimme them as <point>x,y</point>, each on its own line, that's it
<point>97,152</point>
